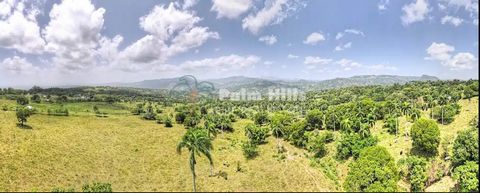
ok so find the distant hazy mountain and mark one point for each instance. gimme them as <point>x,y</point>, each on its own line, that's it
<point>236,82</point>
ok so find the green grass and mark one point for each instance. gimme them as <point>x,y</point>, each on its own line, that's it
<point>137,155</point>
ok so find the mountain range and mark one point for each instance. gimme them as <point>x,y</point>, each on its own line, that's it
<point>237,82</point>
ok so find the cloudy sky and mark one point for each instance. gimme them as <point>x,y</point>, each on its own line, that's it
<point>47,42</point>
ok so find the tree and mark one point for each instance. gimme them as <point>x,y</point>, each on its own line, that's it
<point>256,134</point>
<point>168,121</point>
<point>465,147</point>
<point>197,142</point>
<point>314,119</point>
<point>261,118</point>
<point>467,177</point>
<point>22,115</point>
<point>425,136</point>
<point>316,144</point>
<point>351,144</point>
<point>36,98</point>
<point>22,100</point>
<point>374,171</point>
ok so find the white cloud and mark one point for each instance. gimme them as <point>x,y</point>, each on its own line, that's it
<point>274,12</point>
<point>269,40</point>
<point>314,38</point>
<point>231,9</point>
<point>18,27</point>
<point>312,60</point>
<point>343,47</point>
<point>171,31</point>
<point>469,6</point>
<point>452,20</point>
<point>223,63</point>
<point>189,3</point>
<point>415,12</point>
<point>442,52</point>
<point>73,33</point>
<point>349,31</point>
<point>291,56</point>
<point>382,5</point>
<point>17,65</point>
<point>348,64</point>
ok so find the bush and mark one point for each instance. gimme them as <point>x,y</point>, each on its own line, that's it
<point>374,171</point>
<point>138,109</point>
<point>22,100</point>
<point>36,98</point>
<point>327,136</point>
<point>351,144</point>
<point>149,116</point>
<point>61,111</point>
<point>4,107</point>
<point>97,187</point>
<point>416,172</point>
<point>22,114</point>
<point>256,134</point>
<point>467,177</point>
<point>191,121</point>
<point>465,147</point>
<point>314,119</point>
<point>168,122</point>
<point>249,149</point>
<point>425,136</point>
<point>391,124</point>
<point>449,112</point>
<point>296,133</point>
<point>180,117</point>
<point>261,118</point>
<point>316,144</point>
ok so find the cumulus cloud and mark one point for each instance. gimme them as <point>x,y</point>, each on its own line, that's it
<point>455,21</point>
<point>18,27</point>
<point>189,3</point>
<point>73,34</point>
<point>314,38</point>
<point>231,9</point>
<point>18,65</point>
<point>348,64</point>
<point>269,40</point>
<point>171,31</point>
<point>291,56</point>
<point>468,6</point>
<point>274,12</point>
<point>443,53</point>
<point>415,12</point>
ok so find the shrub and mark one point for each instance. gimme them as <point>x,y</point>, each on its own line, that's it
<point>449,112</point>
<point>256,134</point>
<point>61,111</point>
<point>295,133</point>
<point>314,119</point>
<point>168,122</point>
<point>261,118</point>
<point>138,109</point>
<point>36,98</point>
<point>249,149</point>
<point>425,136</point>
<point>4,107</point>
<point>465,147</point>
<point>467,177</point>
<point>180,117</point>
<point>391,124</point>
<point>416,172</point>
<point>316,144</point>
<point>191,121</point>
<point>149,116</point>
<point>374,171</point>
<point>327,136</point>
<point>97,187</point>
<point>22,100</point>
<point>351,144</point>
<point>22,114</point>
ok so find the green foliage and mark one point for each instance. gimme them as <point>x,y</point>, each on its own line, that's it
<point>4,108</point>
<point>327,136</point>
<point>465,147</point>
<point>351,144</point>
<point>261,118</point>
<point>249,149</point>
<point>467,176</point>
<point>391,123</point>
<point>60,111</point>
<point>180,117</point>
<point>316,144</point>
<point>97,187</point>
<point>314,119</point>
<point>425,136</point>
<point>191,121</point>
<point>416,172</point>
<point>374,171</point>
<point>23,113</point>
<point>138,109</point>
<point>256,134</point>
<point>149,116</point>
<point>295,133</point>
<point>22,100</point>
<point>168,121</point>
<point>279,121</point>
<point>36,98</point>
<point>61,189</point>
<point>446,113</point>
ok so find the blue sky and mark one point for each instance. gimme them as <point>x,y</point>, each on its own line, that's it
<point>83,42</point>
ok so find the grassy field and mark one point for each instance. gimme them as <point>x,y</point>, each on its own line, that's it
<point>137,155</point>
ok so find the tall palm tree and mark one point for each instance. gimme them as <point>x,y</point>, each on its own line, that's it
<point>197,142</point>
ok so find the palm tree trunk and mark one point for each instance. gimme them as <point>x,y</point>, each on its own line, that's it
<point>193,176</point>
